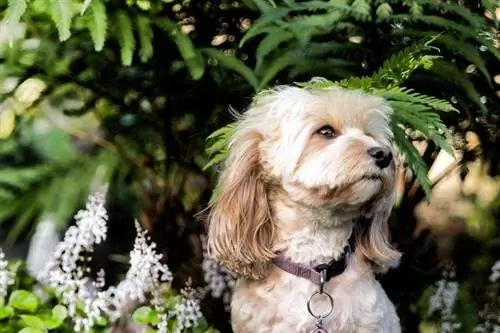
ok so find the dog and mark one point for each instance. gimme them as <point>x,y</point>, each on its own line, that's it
<point>301,214</point>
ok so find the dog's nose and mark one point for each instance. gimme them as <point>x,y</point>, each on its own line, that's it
<point>382,157</point>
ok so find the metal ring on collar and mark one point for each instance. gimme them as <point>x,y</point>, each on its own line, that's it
<point>330,299</point>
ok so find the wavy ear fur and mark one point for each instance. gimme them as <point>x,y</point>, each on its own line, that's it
<point>240,230</point>
<point>372,236</point>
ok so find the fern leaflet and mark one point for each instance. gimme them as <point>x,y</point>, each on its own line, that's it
<point>125,36</point>
<point>62,14</point>
<point>97,24</point>
<point>15,9</point>
<point>145,38</point>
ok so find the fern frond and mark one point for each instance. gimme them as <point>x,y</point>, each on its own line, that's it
<point>413,158</point>
<point>473,20</point>
<point>234,64</point>
<point>469,52</point>
<point>273,39</point>
<point>97,23</point>
<point>191,56</point>
<point>411,96</point>
<point>315,21</point>
<point>361,9</point>
<point>448,25</point>
<point>450,73</point>
<point>277,16</point>
<point>296,56</point>
<point>145,38</point>
<point>62,14</point>
<point>419,117</point>
<point>217,148</point>
<point>15,9</point>
<point>85,6</point>
<point>125,36</point>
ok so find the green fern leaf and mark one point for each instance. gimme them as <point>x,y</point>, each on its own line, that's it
<point>273,39</point>
<point>416,9</point>
<point>362,9</point>
<point>191,56</point>
<point>234,64</point>
<point>469,52</point>
<point>15,9</point>
<point>217,149</point>
<point>473,20</point>
<point>62,14</point>
<point>145,38</point>
<point>97,23</point>
<point>413,158</point>
<point>409,95</point>
<point>420,118</point>
<point>125,36</point>
<point>383,12</point>
<point>85,6</point>
<point>326,22</point>
<point>449,72</point>
<point>261,25</point>
<point>276,16</point>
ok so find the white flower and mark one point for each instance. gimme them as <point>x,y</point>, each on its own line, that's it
<point>219,279</point>
<point>187,313</point>
<point>443,300</point>
<point>66,272</point>
<point>7,277</point>
<point>495,272</point>
<point>144,277</point>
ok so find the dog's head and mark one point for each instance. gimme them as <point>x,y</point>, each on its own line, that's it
<point>327,149</point>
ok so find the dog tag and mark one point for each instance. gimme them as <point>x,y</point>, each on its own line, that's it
<point>319,330</point>
<point>319,327</point>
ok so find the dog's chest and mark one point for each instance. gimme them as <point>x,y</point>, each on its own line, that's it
<point>282,306</point>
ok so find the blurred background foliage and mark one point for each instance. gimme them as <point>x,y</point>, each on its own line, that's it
<point>126,92</point>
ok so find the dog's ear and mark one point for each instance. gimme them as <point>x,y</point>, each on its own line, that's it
<point>372,236</point>
<point>240,231</point>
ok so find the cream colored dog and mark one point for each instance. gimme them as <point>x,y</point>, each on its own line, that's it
<point>309,180</point>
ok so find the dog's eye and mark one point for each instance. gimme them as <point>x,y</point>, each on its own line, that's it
<point>326,131</point>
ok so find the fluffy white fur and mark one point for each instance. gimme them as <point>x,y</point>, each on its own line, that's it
<point>286,187</point>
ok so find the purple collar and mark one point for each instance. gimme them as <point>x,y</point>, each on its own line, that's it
<point>314,273</point>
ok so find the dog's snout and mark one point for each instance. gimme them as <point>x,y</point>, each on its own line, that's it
<point>382,157</point>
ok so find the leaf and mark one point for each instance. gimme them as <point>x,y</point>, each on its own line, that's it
<point>469,52</point>
<point>125,36</point>
<point>33,322</point>
<point>145,38</point>
<point>192,58</point>
<point>31,330</point>
<point>15,9</point>
<point>23,300</point>
<point>85,6</point>
<point>233,63</point>
<point>144,315</point>
<point>59,312</point>
<point>413,158</point>
<point>98,24</point>
<point>62,13</point>
<point>449,72</point>
<point>7,122</point>
<point>271,42</point>
<point>6,312</point>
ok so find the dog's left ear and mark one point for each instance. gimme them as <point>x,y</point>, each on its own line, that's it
<point>240,232</point>
<point>372,236</point>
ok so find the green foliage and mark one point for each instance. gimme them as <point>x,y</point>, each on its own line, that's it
<point>412,110</point>
<point>26,312</point>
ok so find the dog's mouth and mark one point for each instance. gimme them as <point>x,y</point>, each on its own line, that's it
<point>371,177</point>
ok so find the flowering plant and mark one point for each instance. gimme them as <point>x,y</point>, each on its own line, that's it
<point>65,298</point>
